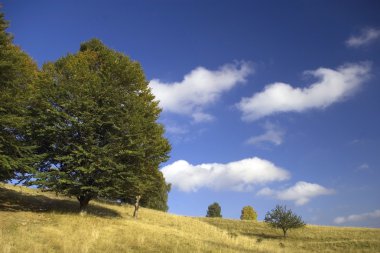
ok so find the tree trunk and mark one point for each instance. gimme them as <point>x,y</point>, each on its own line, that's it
<point>83,203</point>
<point>137,206</point>
<point>284,230</point>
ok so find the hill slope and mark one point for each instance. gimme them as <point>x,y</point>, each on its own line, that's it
<point>32,221</point>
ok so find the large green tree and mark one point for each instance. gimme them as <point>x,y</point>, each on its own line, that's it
<point>95,118</point>
<point>17,75</point>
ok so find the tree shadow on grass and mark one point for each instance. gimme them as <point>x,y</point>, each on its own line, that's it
<point>15,201</point>
<point>262,235</point>
<point>227,246</point>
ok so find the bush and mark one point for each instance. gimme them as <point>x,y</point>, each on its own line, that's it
<point>248,213</point>
<point>214,210</point>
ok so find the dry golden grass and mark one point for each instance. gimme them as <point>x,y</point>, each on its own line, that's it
<point>32,221</point>
<point>311,238</point>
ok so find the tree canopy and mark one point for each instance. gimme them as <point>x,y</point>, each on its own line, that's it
<point>95,119</point>
<point>248,213</point>
<point>214,211</point>
<point>84,126</point>
<point>18,73</point>
<point>284,219</point>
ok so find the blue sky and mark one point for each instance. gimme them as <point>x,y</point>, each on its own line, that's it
<point>264,102</point>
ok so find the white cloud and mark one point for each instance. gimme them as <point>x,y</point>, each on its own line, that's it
<point>236,176</point>
<point>363,167</point>
<point>300,193</point>
<point>199,88</point>
<point>365,37</point>
<point>332,86</point>
<point>175,129</point>
<point>357,217</point>
<point>202,117</point>
<point>272,134</point>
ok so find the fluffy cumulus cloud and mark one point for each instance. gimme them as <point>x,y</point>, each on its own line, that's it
<point>198,89</point>
<point>357,217</point>
<point>366,37</point>
<point>300,193</point>
<point>272,134</point>
<point>332,86</point>
<point>236,176</point>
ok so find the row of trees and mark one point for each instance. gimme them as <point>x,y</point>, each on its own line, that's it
<point>83,126</point>
<point>215,211</point>
<point>280,217</point>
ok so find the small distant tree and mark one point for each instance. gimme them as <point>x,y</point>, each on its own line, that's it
<point>248,213</point>
<point>214,210</point>
<point>283,218</point>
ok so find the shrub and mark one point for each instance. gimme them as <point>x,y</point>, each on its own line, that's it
<point>214,210</point>
<point>248,213</point>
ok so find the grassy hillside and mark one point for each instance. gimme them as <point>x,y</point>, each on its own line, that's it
<point>309,239</point>
<point>32,221</point>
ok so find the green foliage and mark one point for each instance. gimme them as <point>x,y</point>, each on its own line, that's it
<point>153,190</point>
<point>87,123</point>
<point>156,196</point>
<point>95,118</point>
<point>248,213</point>
<point>17,75</point>
<point>284,219</point>
<point>214,210</point>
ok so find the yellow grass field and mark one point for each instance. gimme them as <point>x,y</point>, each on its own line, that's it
<point>34,221</point>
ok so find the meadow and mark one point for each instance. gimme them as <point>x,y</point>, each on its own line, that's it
<point>35,221</point>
